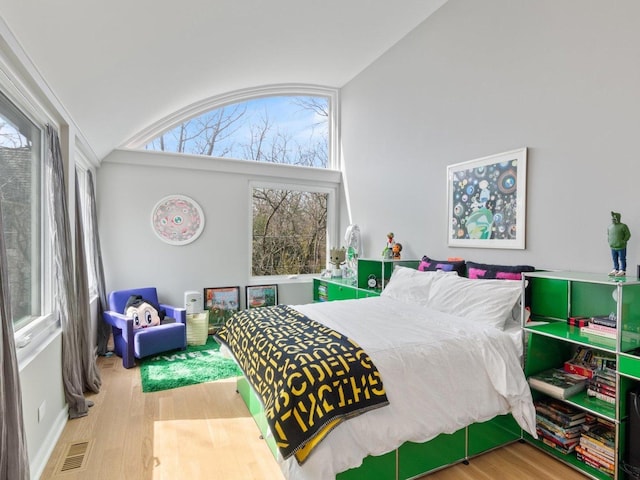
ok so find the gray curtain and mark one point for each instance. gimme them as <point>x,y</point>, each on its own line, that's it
<point>64,292</point>
<point>95,250</point>
<point>14,457</point>
<point>90,373</point>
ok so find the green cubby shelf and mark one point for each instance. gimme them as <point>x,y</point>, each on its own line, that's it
<point>554,297</point>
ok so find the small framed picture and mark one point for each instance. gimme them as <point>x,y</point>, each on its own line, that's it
<point>221,303</point>
<point>262,295</point>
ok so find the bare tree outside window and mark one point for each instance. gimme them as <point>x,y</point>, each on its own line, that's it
<point>289,232</point>
<point>292,130</point>
<point>20,195</point>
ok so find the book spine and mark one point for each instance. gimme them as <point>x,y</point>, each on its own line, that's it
<point>605,461</point>
<point>559,419</point>
<point>556,429</point>
<point>578,369</point>
<point>564,442</point>
<point>583,354</point>
<point>561,408</point>
<point>578,321</point>
<point>560,448</point>
<point>603,328</point>
<point>602,396</point>
<point>591,331</point>
<point>598,439</point>
<point>606,321</point>
<point>600,362</point>
<point>591,445</point>
<point>606,389</point>
<point>594,463</point>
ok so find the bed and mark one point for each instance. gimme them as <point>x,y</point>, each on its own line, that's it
<point>448,350</point>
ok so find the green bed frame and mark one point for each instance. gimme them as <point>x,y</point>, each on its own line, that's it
<point>410,459</point>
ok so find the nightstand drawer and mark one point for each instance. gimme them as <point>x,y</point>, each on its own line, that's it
<point>367,293</point>
<point>330,290</point>
<point>340,292</point>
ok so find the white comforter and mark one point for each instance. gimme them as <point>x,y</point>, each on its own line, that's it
<point>440,372</point>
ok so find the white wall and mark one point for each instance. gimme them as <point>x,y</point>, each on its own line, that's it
<point>42,390</point>
<point>477,78</point>
<point>130,183</point>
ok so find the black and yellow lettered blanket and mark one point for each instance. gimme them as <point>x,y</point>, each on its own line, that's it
<point>308,376</point>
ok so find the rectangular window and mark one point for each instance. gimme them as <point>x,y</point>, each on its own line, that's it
<point>289,231</point>
<point>20,193</point>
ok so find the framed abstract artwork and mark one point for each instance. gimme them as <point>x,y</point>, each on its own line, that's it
<point>486,201</point>
<point>177,220</point>
<point>261,295</point>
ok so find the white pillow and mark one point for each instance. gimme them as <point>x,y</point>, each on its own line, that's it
<point>412,286</point>
<point>486,301</point>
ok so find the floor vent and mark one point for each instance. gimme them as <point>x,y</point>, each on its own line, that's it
<point>75,457</point>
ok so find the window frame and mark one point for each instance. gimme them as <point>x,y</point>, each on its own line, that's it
<point>31,334</point>
<point>138,141</point>
<point>31,337</point>
<point>305,186</point>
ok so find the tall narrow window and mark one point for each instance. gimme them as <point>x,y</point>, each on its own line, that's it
<point>289,231</point>
<point>286,129</point>
<point>20,193</point>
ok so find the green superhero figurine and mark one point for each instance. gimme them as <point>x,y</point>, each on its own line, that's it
<point>618,234</point>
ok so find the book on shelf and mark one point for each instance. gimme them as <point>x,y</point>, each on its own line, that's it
<point>590,330</point>
<point>601,457</point>
<point>565,448</point>
<point>602,388</point>
<point>578,321</point>
<point>602,396</point>
<point>603,379</point>
<point>583,355</point>
<point>557,430</point>
<point>603,328</point>
<point>604,361</point>
<point>594,461</point>
<point>558,412</point>
<point>558,383</point>
<point>601,434</point>
<point>597,444</point>
<point>605,320</point>
<point>607,453</point>
<point>582,369</point>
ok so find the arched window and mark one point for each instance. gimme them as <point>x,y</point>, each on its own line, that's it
<point>291,221</point>
<point>291,129</point>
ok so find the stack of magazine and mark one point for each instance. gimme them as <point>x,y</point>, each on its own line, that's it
<point>558,425</point>
<point>597,444</point>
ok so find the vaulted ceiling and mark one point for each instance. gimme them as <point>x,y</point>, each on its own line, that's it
<point>118,66</point>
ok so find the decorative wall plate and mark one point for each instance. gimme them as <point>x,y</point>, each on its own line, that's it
<point>177,220</point>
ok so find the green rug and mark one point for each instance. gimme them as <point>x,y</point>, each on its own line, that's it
<point>196,364</point>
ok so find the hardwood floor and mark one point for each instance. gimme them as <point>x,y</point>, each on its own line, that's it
<point>204,432</point>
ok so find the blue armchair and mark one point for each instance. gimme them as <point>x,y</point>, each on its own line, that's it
<point>133,343</point>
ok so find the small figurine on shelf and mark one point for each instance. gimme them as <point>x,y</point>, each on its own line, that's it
<point>337,259</point>
<point>388,250</point>
<point>396,249</point>
<point>618,235</point>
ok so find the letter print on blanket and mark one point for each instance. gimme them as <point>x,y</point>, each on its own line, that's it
<point>308,376</point>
